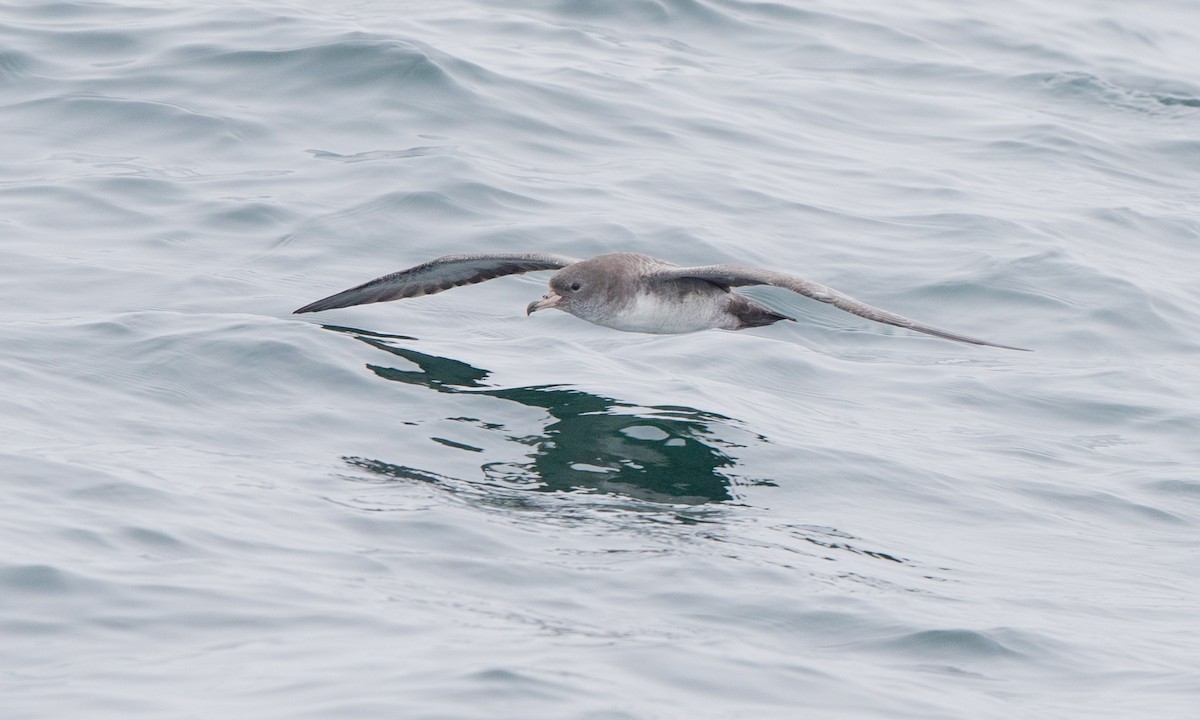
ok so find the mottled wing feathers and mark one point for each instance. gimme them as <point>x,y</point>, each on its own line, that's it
<point>735,276</point>
<point>441,274</point>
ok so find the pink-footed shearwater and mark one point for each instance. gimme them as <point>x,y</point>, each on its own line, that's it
<point>626,291</point>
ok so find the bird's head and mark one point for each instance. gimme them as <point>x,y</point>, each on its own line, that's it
<point>584,289</point>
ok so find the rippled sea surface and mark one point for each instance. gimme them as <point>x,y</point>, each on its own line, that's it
<point>442,508</point>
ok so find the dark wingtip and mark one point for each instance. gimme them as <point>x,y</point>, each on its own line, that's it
<point>329,303</point>
<point>985,343</point>
<point>998,345</point>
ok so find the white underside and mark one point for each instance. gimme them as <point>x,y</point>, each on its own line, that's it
<point>649,313</point>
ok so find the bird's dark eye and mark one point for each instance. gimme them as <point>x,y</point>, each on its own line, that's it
<point>575,286</point>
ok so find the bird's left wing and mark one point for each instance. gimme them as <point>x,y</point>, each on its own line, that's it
<point>736,276</point>
<point>440,274</point>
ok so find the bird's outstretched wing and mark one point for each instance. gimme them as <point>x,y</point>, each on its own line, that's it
<point>736,276</point>
<point>438,275</point>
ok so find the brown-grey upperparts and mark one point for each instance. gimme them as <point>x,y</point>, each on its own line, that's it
<point>626,291</point>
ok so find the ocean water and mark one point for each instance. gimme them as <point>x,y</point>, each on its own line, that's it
<point>442,508</point>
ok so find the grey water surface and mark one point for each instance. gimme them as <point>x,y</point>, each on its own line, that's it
<point>442,508</point>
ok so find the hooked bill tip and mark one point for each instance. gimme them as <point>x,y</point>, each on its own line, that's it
<point>548,300</point>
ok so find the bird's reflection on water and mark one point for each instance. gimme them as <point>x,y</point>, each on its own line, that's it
<point>591,443</point>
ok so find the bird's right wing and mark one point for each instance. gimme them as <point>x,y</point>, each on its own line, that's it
<point>728,276</point>
<point>440,274</point>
